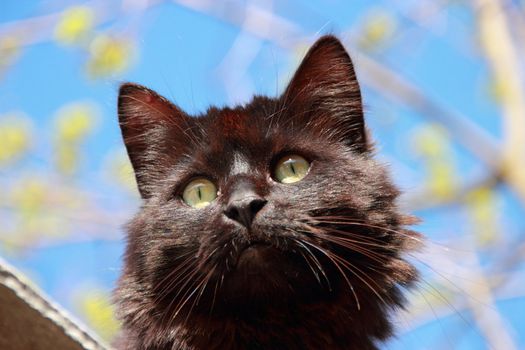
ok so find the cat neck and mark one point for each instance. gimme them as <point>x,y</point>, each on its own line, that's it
<point>319,326</point>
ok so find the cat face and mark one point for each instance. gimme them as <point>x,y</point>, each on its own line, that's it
<point>274,203</point>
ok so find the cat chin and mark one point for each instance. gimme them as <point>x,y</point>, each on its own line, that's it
<point>264,274</point>
<point>256,259</point>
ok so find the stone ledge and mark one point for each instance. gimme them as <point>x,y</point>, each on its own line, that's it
<point>30,321</point>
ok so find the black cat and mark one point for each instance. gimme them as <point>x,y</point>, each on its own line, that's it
<point>265,226</point>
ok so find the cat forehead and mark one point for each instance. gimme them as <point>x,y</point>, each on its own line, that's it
<point>237,136</point>
<point>237,124</point>
<point>235,141</point>
<point>231,122</point>
<point>256,130</point>
<point>243,139</point>
<point>236,130</point>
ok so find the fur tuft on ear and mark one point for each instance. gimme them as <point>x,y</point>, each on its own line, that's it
<point>324,94</point>
<point>150,126</point>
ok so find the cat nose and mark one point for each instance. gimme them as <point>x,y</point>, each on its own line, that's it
<point>244,204</point>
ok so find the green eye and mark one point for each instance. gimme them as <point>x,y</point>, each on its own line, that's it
<point>291,168</point>
<point>199,193</point>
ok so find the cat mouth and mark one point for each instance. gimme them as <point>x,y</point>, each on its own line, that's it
<point>264,274</point>
<point>255,257</point>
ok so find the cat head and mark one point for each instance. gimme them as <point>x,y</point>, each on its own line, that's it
<point>276,202</point>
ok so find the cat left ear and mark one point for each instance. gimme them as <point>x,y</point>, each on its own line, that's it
<point>153,131</point>
<point>324,94</point>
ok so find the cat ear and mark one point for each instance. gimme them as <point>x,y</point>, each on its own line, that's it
<point>150,126</point>
<point>324,94</point>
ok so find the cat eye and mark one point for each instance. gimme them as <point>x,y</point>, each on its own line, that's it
<point>199,193</point>
<point>291,168</point>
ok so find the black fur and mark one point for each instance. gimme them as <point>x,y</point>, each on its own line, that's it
<point>320,267</point>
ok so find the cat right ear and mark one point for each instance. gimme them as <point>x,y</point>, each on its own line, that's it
<point>324,94</point>
<point>148,121</point>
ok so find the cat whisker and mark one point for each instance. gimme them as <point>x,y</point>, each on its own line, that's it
<point>412,256</point>
<point>207,279</point>
<point>356,238</point>
<point>362,240</point>
<point>202,287</point>
<point>373,241</point>
<point>450,345</point>
<point>349,243</point>
<point>363,277</point>
<point>196,272</point>
<point>209,256</point>
<point>319,266</point>
<point>434,291</point>
<point>194,287</point>
<point>191,290</point>
<point>187,279</point>
<point>173,276</point>
<point>316,274</point>
<point>351,267</point>
<point>215,293</point>
<point>380,259</point>
<point>359,239</point>
<point>345,221</point>
<point>176,278</point>
<point>308,257</point>
<point>328,255</point>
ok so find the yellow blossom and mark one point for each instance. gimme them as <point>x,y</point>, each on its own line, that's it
<point>481,205</point>
<point>73,124</point>
<point>432,144</point>
<point>378,28</point>
<point>75,24</point>
<point>98,311</point>
<point>108,56</point>
<point>15,137</point>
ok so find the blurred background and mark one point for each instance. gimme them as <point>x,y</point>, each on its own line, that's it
<point>444,88</point>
